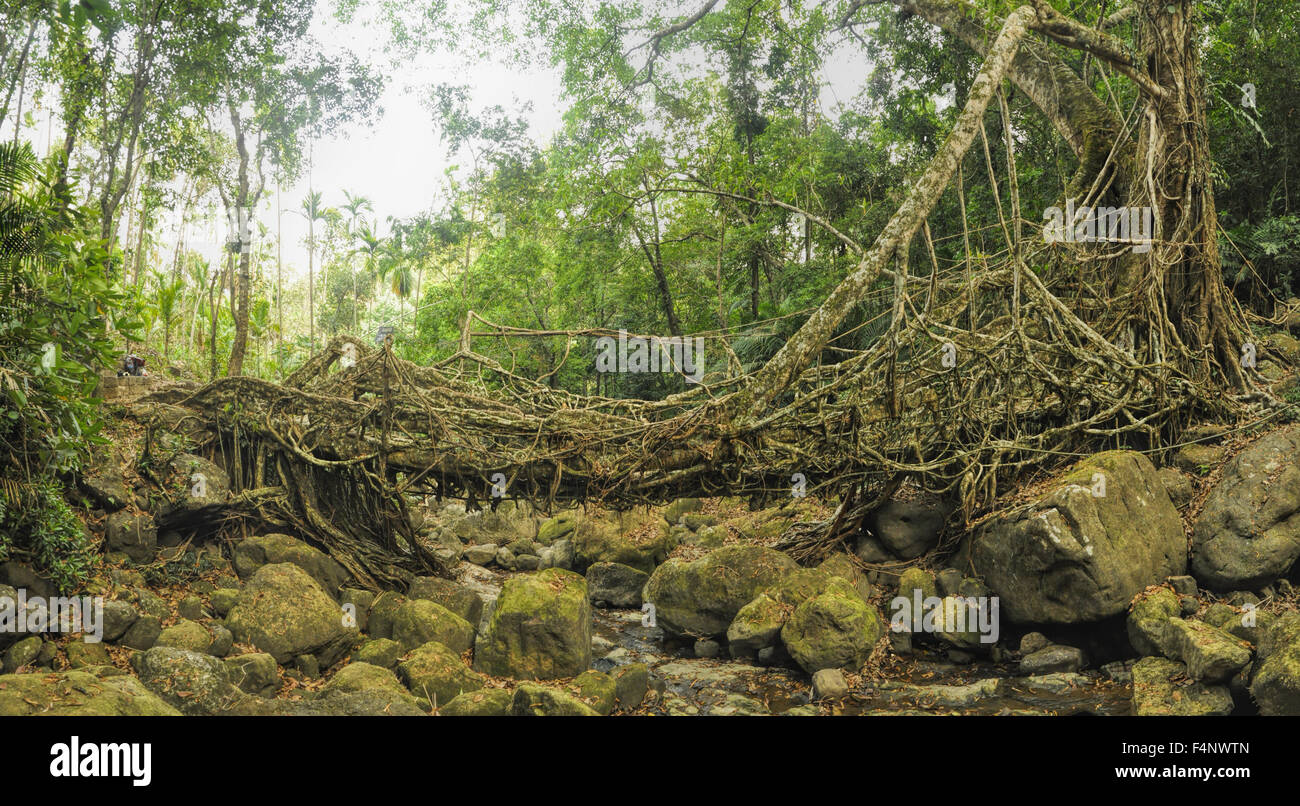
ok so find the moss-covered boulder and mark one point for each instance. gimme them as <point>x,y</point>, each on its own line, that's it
<point>434,673</point>
<point>1105,531</point>
<point>702,598</point>
<point>596,689</point>
<point>382,652</point>
<point>757,626</point>
<point>540,628</point>
<point>629,543</point>
<point>917,579</point>
<point>841,564</point>
<point>458,599</point>
<point>1148,621</point>
<point>615,585</point>
<point>191,682</point>
<point>254,552</point>
<point>1211,654</point>
<point>533,700</point>
<point>284,612</point>
<point>558,527</point>
<point>383,611</point>
<point>1276,684</point>
<point>484,702</point>
<point>186,634</point>
<point>834,629</point>
<point>82,654</point>
<point>78,693</point>
<point>254,673</point>
<point>420,621</point>
<point>363,677</point>
<point>631,684</point>
<point>1159,689</point>
<point>1248,531</point>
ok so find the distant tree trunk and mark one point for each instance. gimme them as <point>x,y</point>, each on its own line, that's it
<point>243,213</point>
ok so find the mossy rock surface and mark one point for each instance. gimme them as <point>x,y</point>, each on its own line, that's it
<point>596,689</point>
<point>540,628</point>
<point>284,612</point>
<point>420,621</point>
<point>78,693</point>
<point>254,552</point>
<point>437,675</point>
<point>194,683</point>
<point>701,598</point>
<point>186,634</point>
<point>1276,684</point>
<point>834,629</point>
<point>609,541</point>
<point>484,702</point>
<point>1148,620</point>
<point>1211,654</point>
<point>1160,689</point>
<point>361,677</point>
<point>534,700</point>
<point>458,599</point>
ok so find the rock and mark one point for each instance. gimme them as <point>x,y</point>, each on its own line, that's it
<point>534,700</point>
<point>104,481</point>
<point>255,673</point>
<point>1276,685</point>
<point>1183,585</point>
<point>436,674</point>
<point>484,702</point>
<point>907,529</point>
<point>1148,620</point>
<point>151,604</point>
<point>308,666</point>
<point>481,555</point>
<point>381,652</point>
<point>1210,654</point>
<point>223,641</point>
<point>631,682</point>
<point>255,552</point>
<point>118,617</point>
<point>707,648</point>
<point>77,693</point>
<point>223,600</point>
<point>757,626</point>
<point>596,689</point>
<point>540,628</point>
<point>1178,485</point>
<point>22,654</point>
<point>420,621</point>
<point>829,684</point>
<point>738,705</point>
<point>1198,460</point>
<point>143,633</point>
<point>703,597</point>
<point>558,527</point>
<point>194,490</point>
<point>361,601</point>
<point>82,654</point>
<point>557,555</point>
<point>914,579</point>
<point>369,702</point>
<point>1119,671</point>
<point>460,600</point>
<point>284,612</point>
<point>948,581</point>
<point>600,542</point>
<point>1052,659</point>
<point>383,612</point>
<point>1073,556</point>
<point>1160,689</point>
<point>19,575</point>
<point>132,533</point>
<point>1031,642</point>
<point>192,683</point>
<point>615,584</point>
<point>185,635</point>
<point>870,550</point>
<point>363,677</point>
<point>677,511</point>
<point>835,629</point>
<point>840,564</point>
<point>1248,531</point>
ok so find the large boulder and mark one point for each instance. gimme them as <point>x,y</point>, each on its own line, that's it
<point>420,621</point>
<point>1160,688</point>
<point>702,598</point>
<point>1248,532</point>
<point>1081,552</point>
<point>194,489</point>
<point>758,624</point>
<point>436,674</point>
<point>534,700</point>
<point>1276,684</point>
<point>632,542</point>
<point>908,529</point>
<point>458,599</point>
<point>76,693</point>
<point>284,612</point>
<point>363,677</point>
<point>104,481</point>
<point>834,629</point>
<point>615,584</point>
<point>254,552</point>
<point>194,683</point>
<point>133,533</point>
<point>539,629</point>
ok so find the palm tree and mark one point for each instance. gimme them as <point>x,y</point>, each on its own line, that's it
<point>354,206</point>
<point>313,212</point>
<point>369,244</point>
<point>166,299</point>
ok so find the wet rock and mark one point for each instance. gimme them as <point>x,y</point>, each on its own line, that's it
<point>540,628</point>
<point>77,693</point>
<point>615,585</point>
<point>194,684</point>
<point>1161,688</point>
<point>1052,659</point>
<point>1248,531</point>
<point>284,612</point>
<point>1076,556</point>
<point>255,552</point>
<point>704,596</point>
<point>436,674</point>
<point>420,621</point>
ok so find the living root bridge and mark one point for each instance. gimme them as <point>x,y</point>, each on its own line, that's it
<point>983,373</point>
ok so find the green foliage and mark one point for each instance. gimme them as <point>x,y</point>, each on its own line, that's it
<point>37,524</point>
